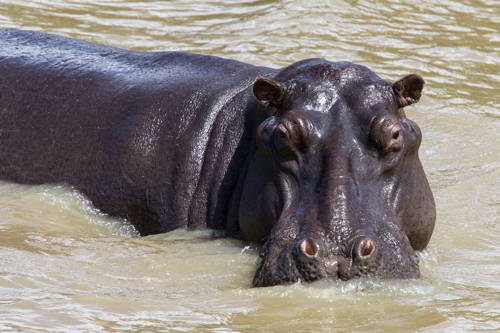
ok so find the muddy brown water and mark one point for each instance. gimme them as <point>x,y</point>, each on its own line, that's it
<point>64,267</point>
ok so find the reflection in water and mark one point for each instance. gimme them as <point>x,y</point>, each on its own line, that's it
<point>66,267</point>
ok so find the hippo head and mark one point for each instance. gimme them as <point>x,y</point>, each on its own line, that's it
<point>335,188</point>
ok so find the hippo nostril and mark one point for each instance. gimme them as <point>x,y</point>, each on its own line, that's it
<point>364,249</point>
<point>309,248</point>
<point>395,134</point>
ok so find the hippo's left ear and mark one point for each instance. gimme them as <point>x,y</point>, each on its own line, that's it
<point>408,90</point>
<point>269,92</point>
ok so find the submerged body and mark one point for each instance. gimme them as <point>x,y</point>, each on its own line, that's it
<point>316,160</point>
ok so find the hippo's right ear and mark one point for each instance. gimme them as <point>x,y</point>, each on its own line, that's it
<point>269,92</point>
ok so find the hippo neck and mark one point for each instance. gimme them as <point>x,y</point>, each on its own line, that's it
<point>217,174</point>
<point>228,142</point>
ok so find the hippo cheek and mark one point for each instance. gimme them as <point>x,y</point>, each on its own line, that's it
<point>396,267</point>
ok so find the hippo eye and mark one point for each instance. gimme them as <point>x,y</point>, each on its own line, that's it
<point>387,134</point>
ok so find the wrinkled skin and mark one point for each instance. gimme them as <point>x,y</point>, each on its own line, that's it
<point>316,161</point>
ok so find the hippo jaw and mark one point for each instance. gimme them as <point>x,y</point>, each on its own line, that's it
<point>335,188</point>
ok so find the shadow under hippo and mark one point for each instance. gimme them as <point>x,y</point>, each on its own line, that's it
<point>315,161</point>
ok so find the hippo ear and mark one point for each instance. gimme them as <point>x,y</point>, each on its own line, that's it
<point>269,92</point>
<point>408,90</point>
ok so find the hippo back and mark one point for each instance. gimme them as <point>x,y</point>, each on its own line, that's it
<point>157,138</point>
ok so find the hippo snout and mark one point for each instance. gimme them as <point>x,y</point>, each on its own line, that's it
<point>315,261</point>
<point>309,259</point>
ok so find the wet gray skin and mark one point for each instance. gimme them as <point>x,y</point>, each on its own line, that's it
<point>317,161</point>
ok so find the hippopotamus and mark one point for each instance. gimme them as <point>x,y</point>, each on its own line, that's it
<point>315,162</point>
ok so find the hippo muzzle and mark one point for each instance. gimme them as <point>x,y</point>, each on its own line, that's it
<point>308,260</point>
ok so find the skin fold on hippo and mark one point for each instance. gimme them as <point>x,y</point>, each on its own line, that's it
<point>317,161</point>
